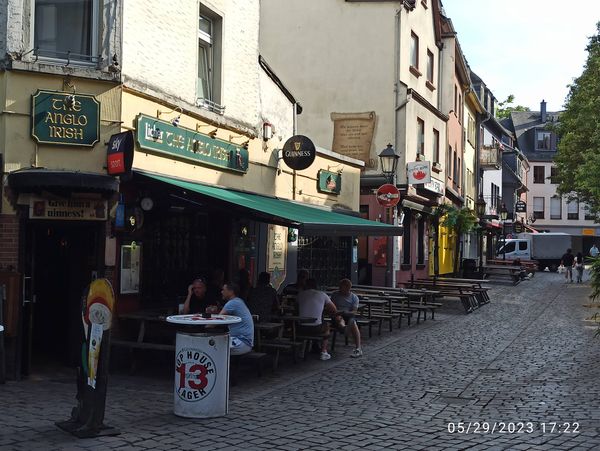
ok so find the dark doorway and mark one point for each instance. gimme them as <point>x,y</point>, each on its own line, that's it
<point>61,261</point>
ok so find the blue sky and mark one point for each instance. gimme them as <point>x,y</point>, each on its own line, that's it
<point>530,48</point>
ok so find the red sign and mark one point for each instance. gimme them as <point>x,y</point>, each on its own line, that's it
<point>388,195</point>
<point>119,155</point>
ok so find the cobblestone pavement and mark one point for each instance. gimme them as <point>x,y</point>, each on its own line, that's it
<point>529,356</point>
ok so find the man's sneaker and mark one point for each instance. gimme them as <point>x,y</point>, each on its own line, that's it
<point>325,356</point>
<point>356,353</point>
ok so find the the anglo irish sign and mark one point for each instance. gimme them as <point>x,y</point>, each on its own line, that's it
<point>68,119</point>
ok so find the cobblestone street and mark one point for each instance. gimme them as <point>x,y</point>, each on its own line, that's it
<point>528,357</point>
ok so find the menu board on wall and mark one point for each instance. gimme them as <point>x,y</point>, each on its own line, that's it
<point>353,135</point>
<point>277,254</point>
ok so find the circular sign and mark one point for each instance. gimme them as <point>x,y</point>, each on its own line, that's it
<point>388,195</point>
<point>196,374</point>
<point>299,152</point>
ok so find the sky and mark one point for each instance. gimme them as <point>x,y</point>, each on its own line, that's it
<point>532,49</point>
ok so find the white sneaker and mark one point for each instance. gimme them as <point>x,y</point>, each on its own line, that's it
<point>356,353</point>
<point>325,356</point>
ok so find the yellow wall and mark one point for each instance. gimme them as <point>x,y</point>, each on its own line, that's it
<point>265,174</point>
<point>16,143</point>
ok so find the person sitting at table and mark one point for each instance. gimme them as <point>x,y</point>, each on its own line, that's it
<point>293,289</point>
<point>242,333</point>
<point>312,303</point>
<point>262,299</point>
<point>197,301</point>
<point>346,304</point>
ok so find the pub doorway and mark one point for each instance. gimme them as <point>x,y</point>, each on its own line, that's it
<point>61,260</point>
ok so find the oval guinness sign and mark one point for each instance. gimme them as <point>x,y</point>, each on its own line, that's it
<point>299,152</point>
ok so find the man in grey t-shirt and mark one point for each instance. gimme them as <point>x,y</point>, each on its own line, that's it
<point>346,304</point>
<point>242,333</point>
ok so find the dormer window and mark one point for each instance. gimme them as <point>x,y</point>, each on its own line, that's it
<point>543,140</point>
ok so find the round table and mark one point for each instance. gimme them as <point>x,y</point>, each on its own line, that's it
<point>201,365</point>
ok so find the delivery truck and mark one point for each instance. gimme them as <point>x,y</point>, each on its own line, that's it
<point>546,248</point>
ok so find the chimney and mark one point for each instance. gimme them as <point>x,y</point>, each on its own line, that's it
<point>543,110</point>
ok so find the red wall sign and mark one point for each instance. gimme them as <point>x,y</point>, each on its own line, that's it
<point>388,195</point>
<point>119,155</point>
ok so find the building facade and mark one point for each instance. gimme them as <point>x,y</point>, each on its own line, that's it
<point>199,120</point>
<point>546,210</point>
<point>365,89</point>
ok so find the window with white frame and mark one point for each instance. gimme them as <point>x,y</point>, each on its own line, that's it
<point>414,50</point>
<point>420,136</point>
<point>588,215</point>
<point>66,30</point>
<point>538,207</point>
<point>430,65</point>
<point>209,57</point>
<point>471,130</point>
<point>573,209</point>
<point>555,207</point>
<point>543,140</point>
<point>436,146</point>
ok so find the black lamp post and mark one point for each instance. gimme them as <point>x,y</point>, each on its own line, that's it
<point>503,216</point>
<point>480,210</point>
<point>388,159</point>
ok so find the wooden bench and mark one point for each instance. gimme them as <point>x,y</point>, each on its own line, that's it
<point>464,293</point>
<point>502,272</point>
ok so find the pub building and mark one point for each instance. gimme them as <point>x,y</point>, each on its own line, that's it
<point>151,203</point>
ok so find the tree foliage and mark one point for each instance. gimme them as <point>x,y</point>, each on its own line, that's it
<point>505,108</point>
<point>578,158</point>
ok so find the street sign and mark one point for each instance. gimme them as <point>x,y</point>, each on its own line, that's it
<point>388,195</point>
<point>518,227</point>
<point>521,207</point>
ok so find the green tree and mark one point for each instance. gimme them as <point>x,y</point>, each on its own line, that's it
<point>505,108</point>
<point>578,159</point>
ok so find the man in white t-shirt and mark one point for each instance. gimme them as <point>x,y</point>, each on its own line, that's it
<point>312,303</point>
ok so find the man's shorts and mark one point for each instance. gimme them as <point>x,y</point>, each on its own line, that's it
<point>238,346</point>
<point>349,318</point>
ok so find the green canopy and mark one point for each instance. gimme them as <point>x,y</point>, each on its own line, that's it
<point>308,219</point>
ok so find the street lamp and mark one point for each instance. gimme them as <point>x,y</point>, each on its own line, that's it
<point>503,216</point>
<point>388,159</point>
<point>480,209</point>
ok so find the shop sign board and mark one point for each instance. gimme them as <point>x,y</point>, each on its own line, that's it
<point>277,254</point>
<point>67,119</point>
<point>299,152</point>
<point>520,207</point>
<point>419,172</point>
<point>75,209</point>
<point>329,182</point>
<point>588,232</point>
<point>165,138</point>
<point>435,186</point>
<point>388,195</point>
<point>353,135</point>
<point>119,154</point>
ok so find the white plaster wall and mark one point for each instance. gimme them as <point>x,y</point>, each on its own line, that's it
<point>276,109</point>
<point>160,51</point>
<point>332,58</point>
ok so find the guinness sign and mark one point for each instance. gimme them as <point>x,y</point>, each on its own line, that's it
<point>299,152</point>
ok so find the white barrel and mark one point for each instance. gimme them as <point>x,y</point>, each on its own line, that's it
<point>201,375</point>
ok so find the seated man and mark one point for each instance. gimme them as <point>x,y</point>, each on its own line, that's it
<point>346,303</point>
<point>197,301</point>
<point>242,334</point>
<point>313,303</point>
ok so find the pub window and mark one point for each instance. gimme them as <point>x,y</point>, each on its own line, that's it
<point>208,89</point>
<point>66,30</point>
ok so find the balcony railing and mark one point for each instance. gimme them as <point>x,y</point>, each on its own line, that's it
<point>490,157</point>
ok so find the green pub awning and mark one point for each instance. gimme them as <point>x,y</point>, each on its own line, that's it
<point>308,219</point>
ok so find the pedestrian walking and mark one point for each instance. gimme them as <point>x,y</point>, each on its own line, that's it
<point>579,267</point>
<point>594,251</point>
<point>567,261</point>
